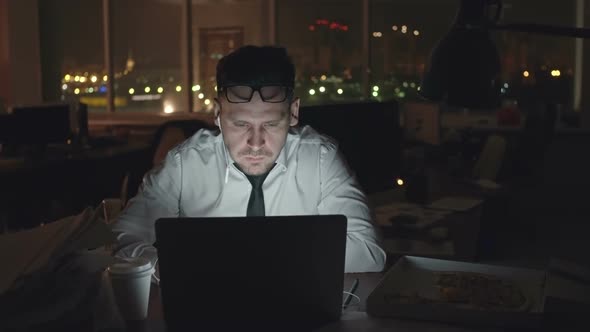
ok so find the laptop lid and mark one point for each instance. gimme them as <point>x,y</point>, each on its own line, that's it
<point>261,271</point>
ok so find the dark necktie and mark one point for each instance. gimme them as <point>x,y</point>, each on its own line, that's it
<point>256,201</point>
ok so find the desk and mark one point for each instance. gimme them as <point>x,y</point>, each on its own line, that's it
<point>465,228</point>
<point>354,318</point>
<point>96,311</point>
<point>62,182</point>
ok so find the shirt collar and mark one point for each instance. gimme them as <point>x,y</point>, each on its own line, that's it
<point>283,157</point>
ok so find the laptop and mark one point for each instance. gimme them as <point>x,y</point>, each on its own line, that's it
<point>279,272</point>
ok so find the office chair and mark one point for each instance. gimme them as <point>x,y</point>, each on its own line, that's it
<point>167,136</point>
<point>536,136</point>
<point>490,159</point>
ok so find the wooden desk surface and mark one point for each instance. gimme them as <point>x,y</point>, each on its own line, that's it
<point>103,315</point>
<point>463,227</point>
<point>62,182</point>
<point>60,156</point>
<point>354,317</point>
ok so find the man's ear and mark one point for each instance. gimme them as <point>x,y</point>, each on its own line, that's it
<point>216,111</point>
<point>294,110</point>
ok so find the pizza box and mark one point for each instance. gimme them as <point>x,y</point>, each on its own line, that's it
<point>409,290</point>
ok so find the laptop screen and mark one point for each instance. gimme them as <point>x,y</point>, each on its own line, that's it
<point>251,270</point>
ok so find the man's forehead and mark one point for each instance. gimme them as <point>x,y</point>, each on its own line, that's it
<point>272,113</point>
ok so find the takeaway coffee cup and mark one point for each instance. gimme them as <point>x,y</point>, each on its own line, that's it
<point>130,280</point>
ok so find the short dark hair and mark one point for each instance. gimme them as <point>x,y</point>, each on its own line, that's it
<point>256,65</point>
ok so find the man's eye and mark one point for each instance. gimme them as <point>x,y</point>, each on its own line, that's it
<point>240,124</point>
<point>272,124</point>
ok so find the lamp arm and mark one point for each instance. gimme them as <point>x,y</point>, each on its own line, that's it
<point>542,29</point>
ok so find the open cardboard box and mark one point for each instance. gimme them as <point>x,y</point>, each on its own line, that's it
<point>543,290</point>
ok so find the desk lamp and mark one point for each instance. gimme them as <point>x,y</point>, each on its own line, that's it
<point>464,66</point>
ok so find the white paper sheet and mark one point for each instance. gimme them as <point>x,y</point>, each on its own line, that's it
<point>418,247</point>
<point>455,203</point>
<point>385,215</point>
<point>25,252</point>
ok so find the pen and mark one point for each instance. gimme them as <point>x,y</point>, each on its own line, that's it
<point>355,285</point>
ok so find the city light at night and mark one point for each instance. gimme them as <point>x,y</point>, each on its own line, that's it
<point>168,109</point>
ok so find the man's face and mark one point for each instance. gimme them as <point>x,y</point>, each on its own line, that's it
<point>255,132</point>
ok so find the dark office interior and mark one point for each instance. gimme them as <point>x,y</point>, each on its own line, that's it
<point>486,102</point>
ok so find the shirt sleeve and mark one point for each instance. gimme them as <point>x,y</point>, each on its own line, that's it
<point>341,194</point>
<point>158,197</point>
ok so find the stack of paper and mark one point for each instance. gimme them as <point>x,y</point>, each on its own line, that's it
<point>385,215</point>
<point>456,203</point>
<point>419,248</point>
<point>27,252</point>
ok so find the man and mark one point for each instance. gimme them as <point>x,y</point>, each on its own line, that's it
<point>259,163</point>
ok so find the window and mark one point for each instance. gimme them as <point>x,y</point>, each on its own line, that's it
<point>72,53</point>
<point>324,38</point>
<point>402,35</point>
<point>218,28</point>
<point>147,56</point>
<point>537,67</point>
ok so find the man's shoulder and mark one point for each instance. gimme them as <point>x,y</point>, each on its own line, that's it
<point>308,136</point>
<point>204,140</point>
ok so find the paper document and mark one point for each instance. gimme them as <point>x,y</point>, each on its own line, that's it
<point>418,247</point>
<point>26,252</point>
<point>456,203</point>
<point>420,217</point>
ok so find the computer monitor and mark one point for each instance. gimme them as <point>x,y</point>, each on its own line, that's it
<point>44,124</point>
<point>40,124</point>
<point>7,128</point>
<point>368,135</point>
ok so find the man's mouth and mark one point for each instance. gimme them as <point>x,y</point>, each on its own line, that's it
<point>256,158</point>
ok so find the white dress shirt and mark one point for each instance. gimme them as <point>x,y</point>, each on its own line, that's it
<point>198,178</point>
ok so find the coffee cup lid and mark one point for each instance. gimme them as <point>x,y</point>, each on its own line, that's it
<point>130,265</point>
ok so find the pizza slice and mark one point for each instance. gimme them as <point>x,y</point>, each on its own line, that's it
<point>478,290</point>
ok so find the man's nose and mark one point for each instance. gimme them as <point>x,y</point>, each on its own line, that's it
<point>256,138</point>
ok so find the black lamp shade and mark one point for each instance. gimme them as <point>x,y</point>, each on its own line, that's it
<point>464,69</point>
<point>464,66</point>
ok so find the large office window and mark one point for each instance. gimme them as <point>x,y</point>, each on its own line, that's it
<point>146,56</point>
<point>324,39</point>
<point>219,27</point>
<point>72,51</point>
<point>537,68</point>
<point>402,35</point>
